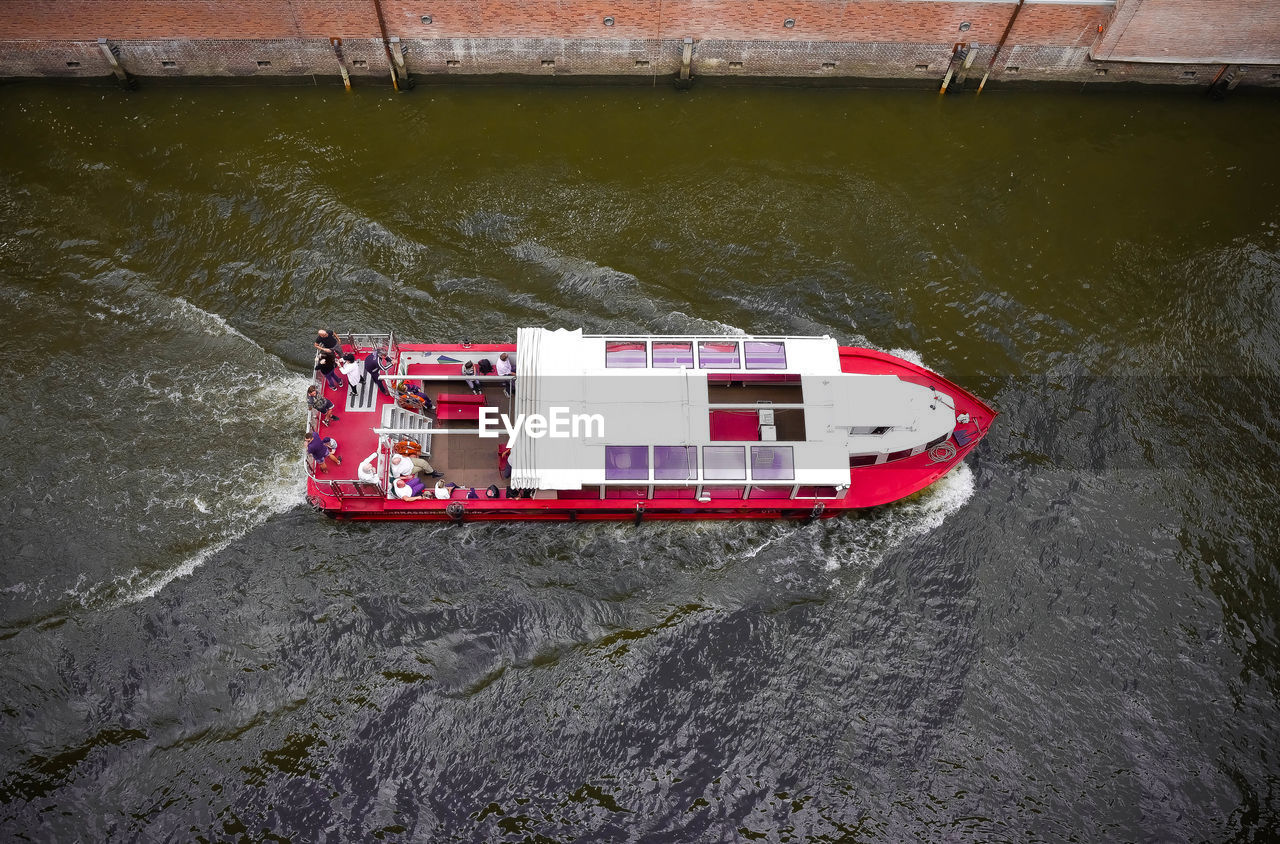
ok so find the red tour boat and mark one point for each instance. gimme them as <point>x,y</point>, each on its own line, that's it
<point>631,427</point>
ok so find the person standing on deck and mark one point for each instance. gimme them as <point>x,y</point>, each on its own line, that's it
<point>320,405</point>
<point>326,339</point>
<point>327,362</point>
<point>504,459</point>
<point>374,364</point>
<point>351,370</point>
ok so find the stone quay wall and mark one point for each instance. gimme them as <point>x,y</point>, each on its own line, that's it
<point>1171,42</point>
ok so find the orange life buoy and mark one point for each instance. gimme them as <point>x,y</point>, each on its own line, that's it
<point>408,448</point>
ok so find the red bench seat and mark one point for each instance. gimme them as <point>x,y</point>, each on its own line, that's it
<point>459,398</point>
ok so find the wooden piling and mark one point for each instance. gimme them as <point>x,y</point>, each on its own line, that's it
<point>110,53</point>
<point>397,53</point>
<point>336,43</point>
<point>968,63</point>
<point>386,46</point>
<point>1000,46</point>
<point>686,60</point>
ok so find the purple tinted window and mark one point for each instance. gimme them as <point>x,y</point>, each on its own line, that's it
<point>672,354</point>
<point>625,354</point>
<point>772,463</point>
<point>718,354</point>
<point>626,462</point>
<point>765,354</point>
<point>724,463</point>
<point>675,462</point>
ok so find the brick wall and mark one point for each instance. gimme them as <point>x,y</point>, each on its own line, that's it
<point>862,39</point>
<point>1221,31</point>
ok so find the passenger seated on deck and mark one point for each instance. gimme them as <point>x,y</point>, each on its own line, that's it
<point>403,465</point>
<point>410,489</point>
<point>368,469</point>
<point>443,490</point>
<point>410,397</point>
<point>322,450</point>
<point>469,370</point>
<point>507,369</point>
<point>320,405</point>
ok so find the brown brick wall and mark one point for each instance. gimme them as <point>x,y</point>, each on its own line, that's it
<point>870,39</point>
<point>1224,31</point>
<point>874,21</point>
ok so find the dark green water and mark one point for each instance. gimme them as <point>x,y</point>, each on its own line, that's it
<point>1073,637</point>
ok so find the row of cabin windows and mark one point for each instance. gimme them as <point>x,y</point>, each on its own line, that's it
<point>680,462</point>
<point>753,493</point>
<point>856,460</point>
<point>712,354</point>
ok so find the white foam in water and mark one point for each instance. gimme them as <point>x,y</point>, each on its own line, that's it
<point>864,543</point>
<point>908,355</point>
<point>238,491</point>
<point>577,275</point>
<point>278,492</point>
<point>686,324</point>
<point>213,324</point>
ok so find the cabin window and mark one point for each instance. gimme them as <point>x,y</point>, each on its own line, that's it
<point>724,463</point>
<point>626,462</point>
<point>625,354</point>
<point>856,460</point>
<point>816,492</point>
<point>675,462</point>
<point>675,492</point>
<point>723,491</point>
<point>769,492</point>
<point>772,463</point>
<point>672,354</point>
<point>765,354</point>
<point>718,354</point>
<point>898,455</point>
<point>628,492</point>
<point>939,441</point>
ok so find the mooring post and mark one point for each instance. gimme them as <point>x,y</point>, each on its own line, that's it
<point>1000,46</point>
<point>398,53</point>
<point>968,62</point>
<point>959,52</point>
<point>111,52</point>
<point>686,60</point>
<point>336,43</point>
<point>1226,80</point>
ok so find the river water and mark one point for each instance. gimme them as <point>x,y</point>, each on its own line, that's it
<point>1072,636</point>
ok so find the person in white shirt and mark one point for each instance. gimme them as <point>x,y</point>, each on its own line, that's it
<point>352,371</point>
<point>507,369</point>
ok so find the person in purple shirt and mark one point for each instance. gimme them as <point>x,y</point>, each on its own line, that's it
<point>318,448</point>
<point>374,364</point>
